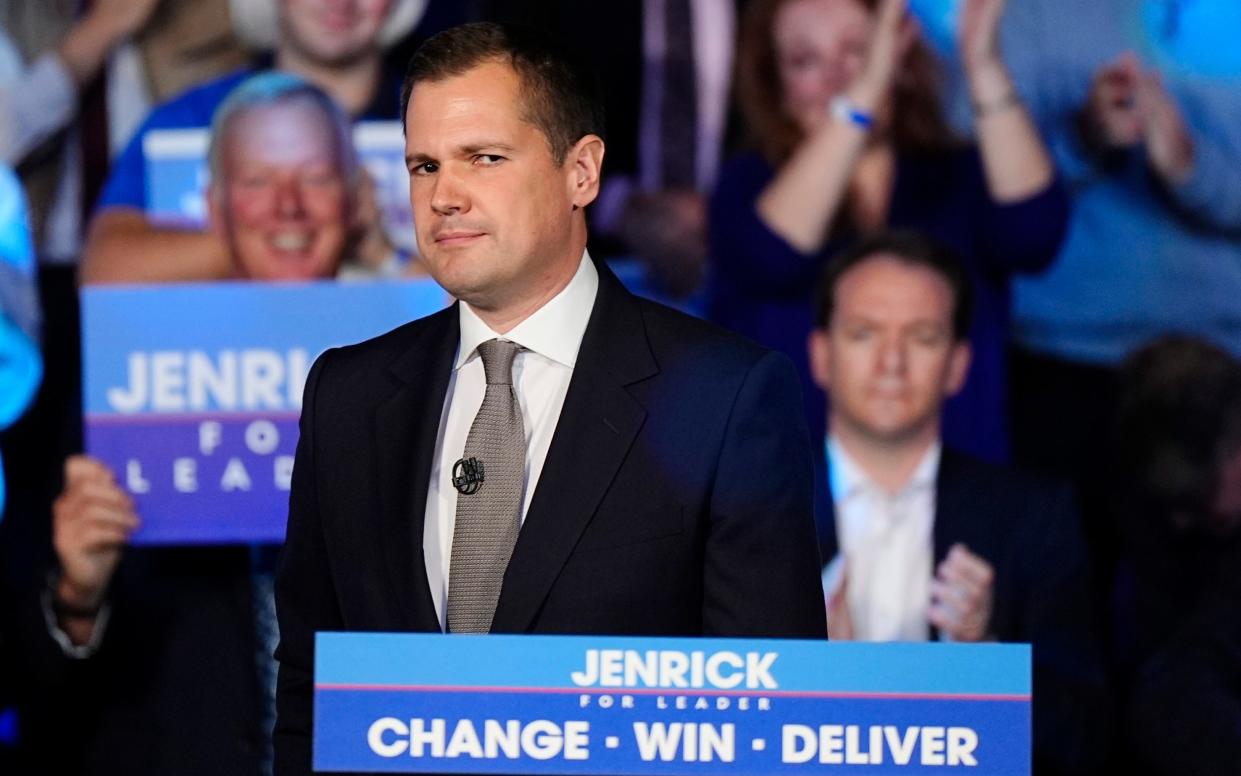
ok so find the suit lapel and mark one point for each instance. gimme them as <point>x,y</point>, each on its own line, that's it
<point>951,505</point>
<point>824,506</point>
<point>406,428</point>
<point>597,425</point>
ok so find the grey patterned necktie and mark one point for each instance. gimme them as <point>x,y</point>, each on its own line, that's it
<point>489,517</point>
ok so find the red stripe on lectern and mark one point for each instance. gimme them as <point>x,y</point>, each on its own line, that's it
<point>914,696</point>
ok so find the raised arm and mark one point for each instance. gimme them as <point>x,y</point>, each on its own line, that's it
<point>802,201</point>
<point>123,246</point>
<point>1016,163</point>
<point>42,99</point>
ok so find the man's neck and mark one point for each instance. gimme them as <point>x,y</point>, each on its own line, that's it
<point>890,464</point>
<point>353,86</point>
<point>507,315</point>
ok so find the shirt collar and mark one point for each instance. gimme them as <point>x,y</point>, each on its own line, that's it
<point>554,331</point>
<point>847,479</point>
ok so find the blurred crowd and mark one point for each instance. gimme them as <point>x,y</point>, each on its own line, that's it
<point>1000,240</point>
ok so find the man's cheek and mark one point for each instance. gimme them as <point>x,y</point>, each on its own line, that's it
<point>251,209</point>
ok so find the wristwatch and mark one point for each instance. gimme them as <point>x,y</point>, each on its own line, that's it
<point>842,109</point>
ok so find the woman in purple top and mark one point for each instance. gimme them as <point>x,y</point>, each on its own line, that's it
<point>841,100</point>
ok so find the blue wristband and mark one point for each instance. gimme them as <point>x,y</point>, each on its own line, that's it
<point>842,108</point>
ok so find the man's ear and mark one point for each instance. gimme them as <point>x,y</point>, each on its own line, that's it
<point>585,164</point>
<point>819,348</point>
<point>958,368</point>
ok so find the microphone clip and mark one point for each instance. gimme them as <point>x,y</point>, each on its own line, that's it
<point>467,475</point>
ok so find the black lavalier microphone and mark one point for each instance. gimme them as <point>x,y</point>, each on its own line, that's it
<point>467,475</point>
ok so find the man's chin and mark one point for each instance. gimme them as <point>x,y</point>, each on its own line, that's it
<point>895,429</point>
<point>286,268</point>
<point>462,276</point>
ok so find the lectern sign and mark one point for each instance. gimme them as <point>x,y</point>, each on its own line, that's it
<point>419,703</point>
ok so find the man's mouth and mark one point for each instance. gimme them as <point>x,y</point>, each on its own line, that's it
<point>456,237</point>
<point>291,241</point>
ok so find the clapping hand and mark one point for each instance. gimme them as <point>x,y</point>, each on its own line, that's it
<point>893,35</point>
<point>1111,113</point>
<point>962,594</point>
<point>1128,107</point>
<point>836,599</point>
<point>1169,147</point>
<point>978,38</point>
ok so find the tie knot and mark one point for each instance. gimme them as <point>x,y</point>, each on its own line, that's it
<point>498,355</point>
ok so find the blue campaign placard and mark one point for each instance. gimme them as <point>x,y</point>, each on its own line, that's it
<point>430,703</point>
<point>192,392</point>
<point>177,176</point>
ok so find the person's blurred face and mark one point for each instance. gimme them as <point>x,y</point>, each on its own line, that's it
<point>282,203</point>
<point>888,357</point>
<point>494,212</point>
<point>333,32</point>
<point>820,48</point>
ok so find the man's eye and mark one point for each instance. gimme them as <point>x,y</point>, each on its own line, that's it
<point>488,160</point>
<point>929,337</point>
<point>426,168</point>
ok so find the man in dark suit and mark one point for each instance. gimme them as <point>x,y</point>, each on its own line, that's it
<point>551,454</point>
<point>924,542</point>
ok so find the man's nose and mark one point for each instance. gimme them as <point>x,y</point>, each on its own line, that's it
<point>893,357</point>
<point>448,193</point>
<point>289,200</point>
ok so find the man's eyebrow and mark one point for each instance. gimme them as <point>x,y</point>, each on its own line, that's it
<point>474,148</point>
<point>469,149</point>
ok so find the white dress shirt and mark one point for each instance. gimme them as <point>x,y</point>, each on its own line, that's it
<point>886,546</point>
<point>550,339</point>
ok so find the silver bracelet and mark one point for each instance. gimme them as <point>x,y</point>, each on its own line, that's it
<point>984,109</point>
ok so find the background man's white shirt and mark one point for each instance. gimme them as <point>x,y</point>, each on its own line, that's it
<point>886,545</point>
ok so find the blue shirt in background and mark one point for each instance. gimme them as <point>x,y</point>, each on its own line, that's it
<point>193,108</point>
<point>1140,259</point>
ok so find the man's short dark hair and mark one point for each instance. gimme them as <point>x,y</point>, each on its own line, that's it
<point>911,248</point>
<point>560,94</point>
<point>1178,423</point>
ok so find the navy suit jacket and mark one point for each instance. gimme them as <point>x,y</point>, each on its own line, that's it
<point>1028,530</point>
<point>676,498</point>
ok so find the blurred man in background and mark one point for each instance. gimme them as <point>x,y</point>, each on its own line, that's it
<point>923,541</point>
<point>337,46</point>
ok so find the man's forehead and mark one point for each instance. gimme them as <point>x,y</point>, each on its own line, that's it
<point>469,127</point>
<point>281,130</point>
<point>490,89</point>
<point>883,287</point>
<point>888,274</point>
